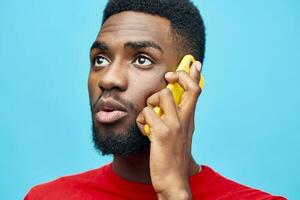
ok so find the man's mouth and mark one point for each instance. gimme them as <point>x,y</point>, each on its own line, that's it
<point>107,117</point>
<point>110,111</point>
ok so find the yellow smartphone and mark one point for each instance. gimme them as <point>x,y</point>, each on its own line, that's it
<point>175,88</point>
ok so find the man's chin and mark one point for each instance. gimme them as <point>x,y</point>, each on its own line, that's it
<point>111,141</point>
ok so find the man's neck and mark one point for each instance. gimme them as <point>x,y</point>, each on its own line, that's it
<point>135,168</point>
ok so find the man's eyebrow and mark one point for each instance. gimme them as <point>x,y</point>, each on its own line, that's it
<point>99,45</point>
<point>136,45</point>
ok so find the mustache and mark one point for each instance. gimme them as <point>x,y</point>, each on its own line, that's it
<point>113,94</point>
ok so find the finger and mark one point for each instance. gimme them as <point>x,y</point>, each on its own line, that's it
<point>195,71</point>
<point>190,95</point>
<point>140,121</point>
<point>164,99</point>
<point>153,100</point>
<point>148,116</point>
<point>189,85</point>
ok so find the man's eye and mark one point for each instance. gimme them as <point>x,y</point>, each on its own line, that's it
<point>142,60</point>
<point>101,61</point>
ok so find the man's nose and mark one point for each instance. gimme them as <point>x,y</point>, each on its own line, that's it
<point>114,77</point>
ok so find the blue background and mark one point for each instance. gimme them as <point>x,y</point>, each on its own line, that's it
<point>247,117</point>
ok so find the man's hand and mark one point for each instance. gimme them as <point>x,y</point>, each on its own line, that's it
<point>171,134</point>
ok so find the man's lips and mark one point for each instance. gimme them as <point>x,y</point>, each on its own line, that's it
<point>109,111</point>
<point>107,117</point>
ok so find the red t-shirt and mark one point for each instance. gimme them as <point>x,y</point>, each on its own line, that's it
<point>104,184</point>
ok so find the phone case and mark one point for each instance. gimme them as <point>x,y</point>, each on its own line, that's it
<point>176,89</point>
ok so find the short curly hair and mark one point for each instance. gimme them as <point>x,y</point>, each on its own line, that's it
<point>186,21</point>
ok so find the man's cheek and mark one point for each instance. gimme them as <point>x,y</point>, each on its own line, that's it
<point>152,89</point>
<point>141,102</point>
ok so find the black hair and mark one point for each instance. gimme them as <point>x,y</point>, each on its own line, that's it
<point>186,22</point>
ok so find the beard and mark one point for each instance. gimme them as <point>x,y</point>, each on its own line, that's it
<point>129,141</point>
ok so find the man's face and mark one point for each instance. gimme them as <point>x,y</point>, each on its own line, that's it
<point>129,59</point>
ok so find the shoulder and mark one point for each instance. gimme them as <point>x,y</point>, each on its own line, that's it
<point>64,187</point>
<point>221,188</point>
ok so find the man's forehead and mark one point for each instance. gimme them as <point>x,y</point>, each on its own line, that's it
<point>136,26</point>
<point>134,19</point>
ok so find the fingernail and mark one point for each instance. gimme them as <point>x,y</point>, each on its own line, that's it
<point>169,74</point>
<point>198,66</point>
<point>139,118</point>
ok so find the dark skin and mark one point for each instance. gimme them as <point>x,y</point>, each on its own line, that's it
<point>133,53</point>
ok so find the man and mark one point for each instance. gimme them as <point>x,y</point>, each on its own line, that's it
<point>135,54</point>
